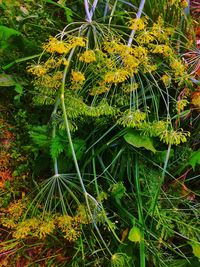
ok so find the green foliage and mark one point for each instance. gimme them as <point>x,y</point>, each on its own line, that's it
<point>56,147</point>
<point>135,234</point>
<point>103,76</point>
<point>135,139</point>
<point>194,159</point>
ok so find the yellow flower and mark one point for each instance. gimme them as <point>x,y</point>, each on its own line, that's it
<point>46,227</point>
<point>99,89</point>
<point>166,79</point>
<point>77,41</point>
<point>174,137</point>
<point>184,3</point>
<point>145,37</point>
<point>88,56</point>
<point>127,88</point>
<point>16,209</point>
<point>140,52</point>
<point>117,76</point>
<point>50,81</point>
<point>25,228</point>
<point>37,70</point>
<point>132,118</point>
<point>77,76</point>
<point>196,100</point>
<point>181,104</point>
<point>162,49</point>
<point>70,226</point>
<point>178,67</point>
<point>56,46</point>
<point>131,63</point>
<point>136,24</point>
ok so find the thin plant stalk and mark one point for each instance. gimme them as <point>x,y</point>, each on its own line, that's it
<point>140,214</point>
<point>66,122</point>
<point>93,8</point>
<point>138,15</point>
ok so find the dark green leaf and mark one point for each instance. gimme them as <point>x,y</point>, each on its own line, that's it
<point>135,139</point>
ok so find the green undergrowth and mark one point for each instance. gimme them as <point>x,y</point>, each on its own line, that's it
<point>99,134</point>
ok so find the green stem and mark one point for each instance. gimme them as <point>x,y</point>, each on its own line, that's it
<point>140,214</point>
<point>155,200</point>
<point>66,122</point>
<point>54,134</point>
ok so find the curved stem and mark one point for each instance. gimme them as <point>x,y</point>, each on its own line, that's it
<point>93,8</point>
<point>66,122</point>
<point>138,15</point>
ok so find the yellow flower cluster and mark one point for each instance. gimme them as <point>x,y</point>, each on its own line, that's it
<point>77,76</point>
<point>63,47</point>
<point>174,137</point>
<point>45,228</point>
<point>178,67</point>
<point>132,118</point>
<point>145,37</point>
<point>25,228</point>
<point>116,47</point>
<point>153,128</point>
<point>131,63</point>
<point>37,70</point>
<point>40,228</point>
<point>137,24</point>
<point>70,226</point>
<point>76,41</point>
<point>9,223</point>
<point>162,49</point>
<point>99,89</point>
<point>140,52</point>
<point>56,46</point>
<point>16,209</point>
<point>127,88</point>
<point>52,81</point>
<point>196,100</point>
<point>117,76</point>
<point>177,3</point>
<point>53,63</point>
<point>166,79</point>
<point>88,56</point>
<point>181,104</point>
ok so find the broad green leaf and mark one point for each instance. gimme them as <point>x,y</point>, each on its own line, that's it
<point>195,159</point>
<point>135,234</point>
<point>196,250</point>
<point>6,80</point>
<point>135,139</point>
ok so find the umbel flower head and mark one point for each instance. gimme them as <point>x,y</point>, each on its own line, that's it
<point>88,56</point>
<point>136,24</point>
<point>132,118</point>
<point>56,46</point>
<point>63,47</point>
<point>77,76</point>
